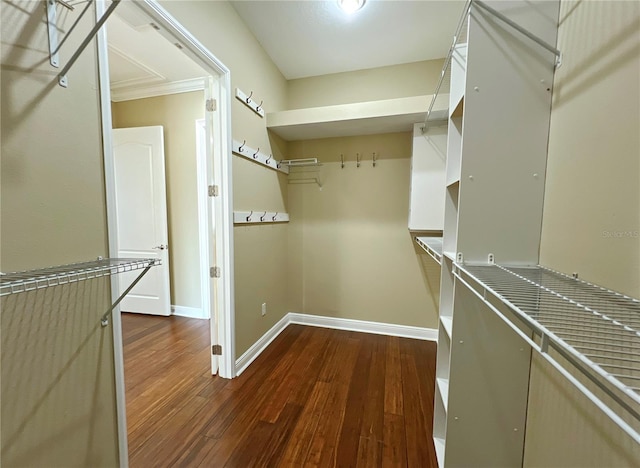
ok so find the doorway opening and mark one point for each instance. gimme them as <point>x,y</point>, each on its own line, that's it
<point>212,213</point>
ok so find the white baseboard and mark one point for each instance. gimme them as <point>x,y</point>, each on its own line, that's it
<point>190,312</point>
<point>259,346</point>
<point>404,331</point>
<point>378,328</point>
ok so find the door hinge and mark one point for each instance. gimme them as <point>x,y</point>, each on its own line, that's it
<point>214,191</point>
<point>214,272</point>
<point>216,350</point>
<point>212,105</point>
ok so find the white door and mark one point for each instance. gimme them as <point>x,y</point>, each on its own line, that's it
<point>210,114</point>
<point>141,212</point>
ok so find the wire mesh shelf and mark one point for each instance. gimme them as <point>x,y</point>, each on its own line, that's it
<point>433,246</point>
<point>597,330</point>
<point>22,281</point>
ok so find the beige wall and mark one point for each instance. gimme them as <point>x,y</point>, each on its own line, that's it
<point>351,252</point>
<point>591,219</point>
<point>58,390</point>
<point>397,81</point>
<point>592,212</point>
<point>177,113</point>
<point>220,29</point>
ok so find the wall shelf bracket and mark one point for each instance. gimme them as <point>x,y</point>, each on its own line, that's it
<point>55,42</point>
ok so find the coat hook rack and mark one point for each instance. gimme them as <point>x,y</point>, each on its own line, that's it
<point>246,217</point>
<point>241,149</point>
<point>357,159</point>
<point>248,101</point>
<point>55,44</point>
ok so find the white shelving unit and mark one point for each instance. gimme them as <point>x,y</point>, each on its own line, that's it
<point>499,111</point>
<point>426,195</point>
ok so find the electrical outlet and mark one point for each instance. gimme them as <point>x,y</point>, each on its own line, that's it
<point>264,309</point>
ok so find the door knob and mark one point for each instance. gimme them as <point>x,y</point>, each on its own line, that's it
<point>161,247</point>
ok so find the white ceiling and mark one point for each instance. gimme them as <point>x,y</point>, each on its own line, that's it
<point>309,38</point>
<point>303,38</point>
<point>140,58</point>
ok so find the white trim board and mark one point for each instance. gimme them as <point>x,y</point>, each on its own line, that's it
<point>222,176</point>
<point>259,346</point>
<point>189,312</point>
<point>363,326</point>
<point>377,328</point>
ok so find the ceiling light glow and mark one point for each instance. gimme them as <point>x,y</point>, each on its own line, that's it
<point>351,6</point>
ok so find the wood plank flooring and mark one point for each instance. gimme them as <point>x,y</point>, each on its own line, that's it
<point>315,397</point>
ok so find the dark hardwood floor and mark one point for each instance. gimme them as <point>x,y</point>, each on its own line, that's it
<point>315,397</point>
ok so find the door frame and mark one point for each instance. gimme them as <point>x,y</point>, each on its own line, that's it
<point>220,160</point>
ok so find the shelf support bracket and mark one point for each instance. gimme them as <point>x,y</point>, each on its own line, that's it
<point>54,44</point>
<point>104,321</point>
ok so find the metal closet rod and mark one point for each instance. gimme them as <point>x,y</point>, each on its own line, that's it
<point>520,29</point>
<point>502,18</point>
<point>447,61</point>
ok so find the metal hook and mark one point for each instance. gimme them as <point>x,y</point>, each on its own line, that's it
<point>374,159</point>
<point>342,160</point>
<point>262,217</point>
<point>357,159</point>
<point>249,97</point>
<point>244,142</point>
<point>249,217</point>
<point>259,106</point>
<point>278,164</point>
<point>274,217</point>
<point>269,158</point>
<point>255,155</point>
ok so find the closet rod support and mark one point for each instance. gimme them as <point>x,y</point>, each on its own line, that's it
<point>52,28</point>
<point>104,321</point>
<point>447,61</point>
<point>62,77</point>
<point>521,30</point>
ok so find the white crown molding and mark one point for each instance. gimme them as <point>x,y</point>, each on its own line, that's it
<point>162,89</point>
<point>378,328</point>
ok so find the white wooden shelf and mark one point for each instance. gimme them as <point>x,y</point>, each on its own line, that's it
<point>594,329</point>
<point>447,324</point>
<point>433,246</point>
<point>439,446</point>
<point>443,386</point>
<point>363,118</point>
